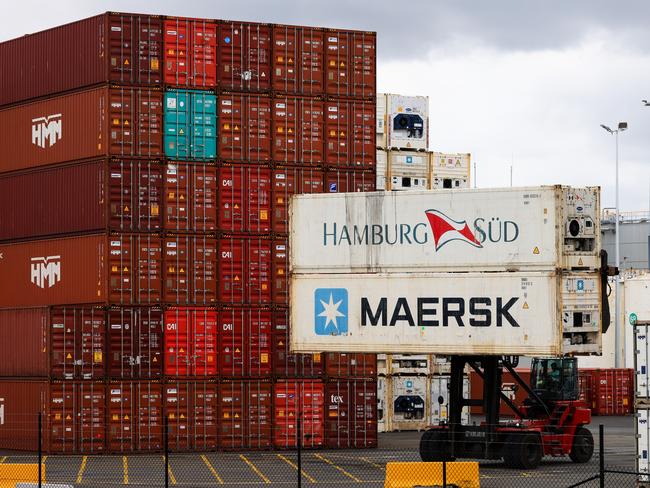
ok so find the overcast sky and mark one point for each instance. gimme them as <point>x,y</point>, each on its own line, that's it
<point>511,81</point>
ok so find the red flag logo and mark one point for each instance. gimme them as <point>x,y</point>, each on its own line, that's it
<point>445,229</point>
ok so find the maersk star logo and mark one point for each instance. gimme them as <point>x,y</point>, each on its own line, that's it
<point>331,311</point>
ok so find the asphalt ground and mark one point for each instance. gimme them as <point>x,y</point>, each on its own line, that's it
<point>323,468</point>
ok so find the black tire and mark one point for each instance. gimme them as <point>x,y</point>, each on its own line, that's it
<point>583,446</point>
<point>435,446</point>
<point>523,451</point>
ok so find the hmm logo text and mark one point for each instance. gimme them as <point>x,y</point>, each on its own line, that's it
<point>46,270</point>
<point>47,130</point>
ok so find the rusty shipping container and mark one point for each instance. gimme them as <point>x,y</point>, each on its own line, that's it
<point>244,127</point>
<point>298,130</point>
<point>244,60</point>
<point>109,48</point>
<point>245,414</point>
<point>189,269</point>
<point>134,416</point>
<point>291,398</point>
<point>113,195</point>
<point>135,342</point>
<point>190,52</point>
<point>298,60</point>
<point>351,414</point>
<point>53,342</point>
<point>191,342</point>
<point>245,198</point>
<point>291,181</point>
<point>95,123</point>
<point>244,270</point>
<point>351,63</point>
<point>190,196</point>
<point>99,269</point>
<point>73,415</point>
<point>244,342</point>
<point>285,364</point>
<point>191,410</point>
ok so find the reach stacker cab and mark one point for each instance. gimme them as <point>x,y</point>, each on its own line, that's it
<point>551,422</point>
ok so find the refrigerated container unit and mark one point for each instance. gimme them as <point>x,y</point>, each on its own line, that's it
<point>402,122</point>
<point>108,121</point>
<point>117,48</point>
<point>190,124</point>
<point>410,364</point>
<point>449,170</point>
<point>409,400</point>
<point>382,404</point>
<point>382,170</point>
<point>439,403</point>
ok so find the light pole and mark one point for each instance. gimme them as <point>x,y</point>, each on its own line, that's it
<point>617,242</point>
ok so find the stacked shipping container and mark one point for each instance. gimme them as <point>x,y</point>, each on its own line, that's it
<point>144,190</point>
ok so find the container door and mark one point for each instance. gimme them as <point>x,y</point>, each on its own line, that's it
<point>259,199</point>
<point>149,424</point>
<point>177,269</point>
<point>363,65</point>
<point>177,124</point>
<point>231,127</point>
<point>365,414</point>
<point>285,135</point>
<point>205,406</point>
<point>204,270</point>
<point>178,342</point>
<point>362,120</point>
<point>121,416</point>
<point>232,198</point>
<point>312,398</point>
<point>190,52</point>
<point>259,270</point>
<point>232,342</point>
<point>258,124</point>
<point>258,346</point>
<point>63,417</point>
<point>285,364</point>
<point>204,197</point>
<point>337,130</point>
<point>337,74</point>
<point>339,414</point>
<point>177,196</point>
<point>232,276</point>
<point>232,415</point>
<point>92,415</point>
<point>311,132</point>
<point>177,411</point>
<point>149,269</point>
<point>203,125</point>
<point>205,342</point>
<point>244,56</point>
<point>286,60</point>
<point>280,291</point>
<point>260,418</point>
<point>149,123</point>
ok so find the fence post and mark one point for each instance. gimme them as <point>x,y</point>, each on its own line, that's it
<point>444,474</point>
<point>299,444</point>
<point>601,449</point>
<point>40,449</point>
<point>166,447</point>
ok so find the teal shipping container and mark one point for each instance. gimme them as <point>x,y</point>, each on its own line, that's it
<point>190,124</point>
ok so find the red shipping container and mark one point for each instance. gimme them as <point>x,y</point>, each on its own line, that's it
<point>280,257</point>
<point>190,270</point>
<point>285,364</point>
<point>244,127</point>
<point>190,52</point>
<point>108,269</point>
<point>299,130</point>
<point>116,195</point>
<point>350,134</point>
<point>298,397</point>
<point>53,342</point>
<point>245,417</point>
<point>245,199</point>
<point>298,60</point>
<point>190,196</point>
<point>350,365</point>
<point>351,63</point>
<point>585,385</point>
<point>244,342</point>
<point>190,342</point>
<point>351,414</point>
<point>109,48</point>
<point>612,391</point>
<point>135,342</point>
<point>244,56</point>
<point>259,395</point>
<point>191,412</point>
<point>342,181</point>
<point>101,122</point>
<point>135,416</point>
<point>292,181</point>
<point>245,270</point>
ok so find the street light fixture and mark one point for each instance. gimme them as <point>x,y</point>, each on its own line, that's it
<point>617,340</point>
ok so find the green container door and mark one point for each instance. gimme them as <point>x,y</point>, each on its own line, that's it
<point>190,124</point>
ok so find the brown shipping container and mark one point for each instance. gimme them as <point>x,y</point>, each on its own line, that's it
<point>351,414</point>
<point>298,60</point>
<point>191,412</point>
<point>190,196</point>
<point>285,364</point>
<point>135,341</point>
<point>108,269</point>
<point>351,63</point>
<point>291,181</point>
<point>350,133</point>
<point>350,365</point>
<point>190,270</point>
<point>244,127</point>
<point>344,181</point>
<point>73,416</point>
<point>292,398</point>
<point>134,416</point>
<point>108,48</point>
<point>53,342</point>
<point>244,59</point>
<point>245,414</point>
<point>105,121</point>
<point>116,195</point>
<point>298,130</point>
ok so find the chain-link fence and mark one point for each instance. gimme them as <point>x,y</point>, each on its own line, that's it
<point>391,464</point>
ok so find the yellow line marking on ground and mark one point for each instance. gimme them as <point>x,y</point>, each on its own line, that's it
<point>254,468</point>
<point>2,459</point>
<point>324,459</point>
<point>125,467</point>
<point>172,478</point>
<point>82,468</point>
<point>44,458</point>
<point>211,468</point>
<point>378,466</point>
<point>294,466</point>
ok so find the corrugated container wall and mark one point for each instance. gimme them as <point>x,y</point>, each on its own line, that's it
<point>101,122</point>
<point>190,124</point>
<point>190,52</point>
<point>109,48</point>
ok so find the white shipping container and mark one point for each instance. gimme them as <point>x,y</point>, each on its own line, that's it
<point>408,170</point>
<point>410,364</point>
<point>643,443</point>
<point>504,229</point>
<point>382,169</point>
<point>382,407</point>
<point>518,313</point>
<point>449,170</point>
<point>440,400</point>
<point>402,122</point>
<point>409,403</point>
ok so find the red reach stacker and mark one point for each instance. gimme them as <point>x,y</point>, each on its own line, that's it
<point>551,422</point>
